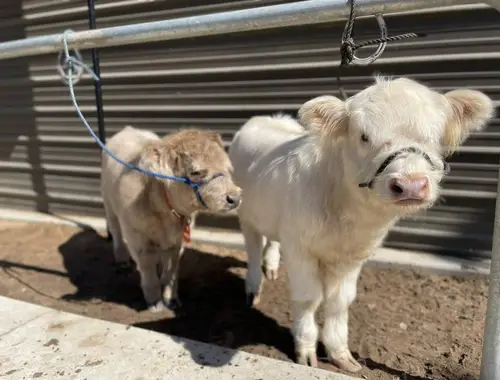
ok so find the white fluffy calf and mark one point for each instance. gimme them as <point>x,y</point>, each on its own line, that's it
<point>329,191</point>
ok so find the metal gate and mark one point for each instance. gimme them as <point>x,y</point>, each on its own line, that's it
<point>49,163</point>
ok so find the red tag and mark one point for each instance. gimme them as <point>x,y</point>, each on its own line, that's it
<point>187,233</point>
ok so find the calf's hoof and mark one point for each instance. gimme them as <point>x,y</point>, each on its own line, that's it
<point>252,299</point>
<point>346,362</point>
<point>157,307</point>
<point>123,267</point>
<point>173,304</point>
<point>307,357</point>
<point>271,273</point>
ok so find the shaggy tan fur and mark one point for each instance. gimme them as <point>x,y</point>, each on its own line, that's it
<point>146,216</point>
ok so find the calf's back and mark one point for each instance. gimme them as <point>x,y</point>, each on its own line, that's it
<point>120,185</point>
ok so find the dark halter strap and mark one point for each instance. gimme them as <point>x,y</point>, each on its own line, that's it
<point>196,187</point>
<point>395,155</point>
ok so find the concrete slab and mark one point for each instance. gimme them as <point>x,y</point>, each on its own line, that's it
<point>384,257</point>
<point>11,321</point>
<point>38,342</point>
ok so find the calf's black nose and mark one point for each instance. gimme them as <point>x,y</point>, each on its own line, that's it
<point>233,200</point>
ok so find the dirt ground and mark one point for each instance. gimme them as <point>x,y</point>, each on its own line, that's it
<point>403,325</point>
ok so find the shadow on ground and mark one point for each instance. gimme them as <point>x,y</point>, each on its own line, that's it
<point>213,302</point>
<point>214,312</point>
<point>88,260</point>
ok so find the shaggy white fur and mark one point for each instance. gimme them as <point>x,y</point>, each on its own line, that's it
<point>301,191</point>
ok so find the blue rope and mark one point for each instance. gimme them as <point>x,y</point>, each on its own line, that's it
<point>72,61</point>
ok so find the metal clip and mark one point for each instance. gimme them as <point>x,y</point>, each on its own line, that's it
<point>381,47</point>
<point>63,66</point>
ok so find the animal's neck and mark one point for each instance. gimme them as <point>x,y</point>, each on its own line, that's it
<point>162,199</point>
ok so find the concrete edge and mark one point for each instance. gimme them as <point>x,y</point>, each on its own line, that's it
<point>383,258</point>
<point>40,342</point>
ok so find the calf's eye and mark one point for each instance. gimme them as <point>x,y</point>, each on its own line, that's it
<point>195,173</point>
<point>364,138</point>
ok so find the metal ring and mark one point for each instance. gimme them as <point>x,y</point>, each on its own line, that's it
<point>381,47</point>
<point>63,67</point>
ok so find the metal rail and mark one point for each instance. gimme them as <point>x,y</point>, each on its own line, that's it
<point>300,13</point>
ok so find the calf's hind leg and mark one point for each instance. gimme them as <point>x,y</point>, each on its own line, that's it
<point>120,250</point>
<point>271,259</point>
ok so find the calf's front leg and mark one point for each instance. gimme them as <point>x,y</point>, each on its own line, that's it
<point>146,256</point>
<point>170,276</point>
<point>306,295</point>
<point>147,264</point>
<point>253,246</point>
<point>339,295</point>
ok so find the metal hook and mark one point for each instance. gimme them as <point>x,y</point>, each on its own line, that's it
<point>381,47</point>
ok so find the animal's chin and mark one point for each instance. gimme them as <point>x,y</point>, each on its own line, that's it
<point>413,204</point>
<point>217,208</point>
<point>410,202</point>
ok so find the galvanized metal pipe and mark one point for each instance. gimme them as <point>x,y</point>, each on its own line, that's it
<point>300,13</point>
<point>490,362</point>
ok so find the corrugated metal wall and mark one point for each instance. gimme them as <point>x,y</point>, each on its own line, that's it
<point>49,162</point>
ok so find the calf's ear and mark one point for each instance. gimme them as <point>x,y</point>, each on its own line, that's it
<point>325,115</point>
<point>157,157</point>
<point>215,137</point>
<point>468,111</point>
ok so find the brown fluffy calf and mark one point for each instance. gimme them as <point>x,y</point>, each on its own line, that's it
<point>148,217</point>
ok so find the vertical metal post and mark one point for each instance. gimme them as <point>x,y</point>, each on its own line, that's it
<point>490,363</point>
<point>97,71</point>
<point>97,87</point>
